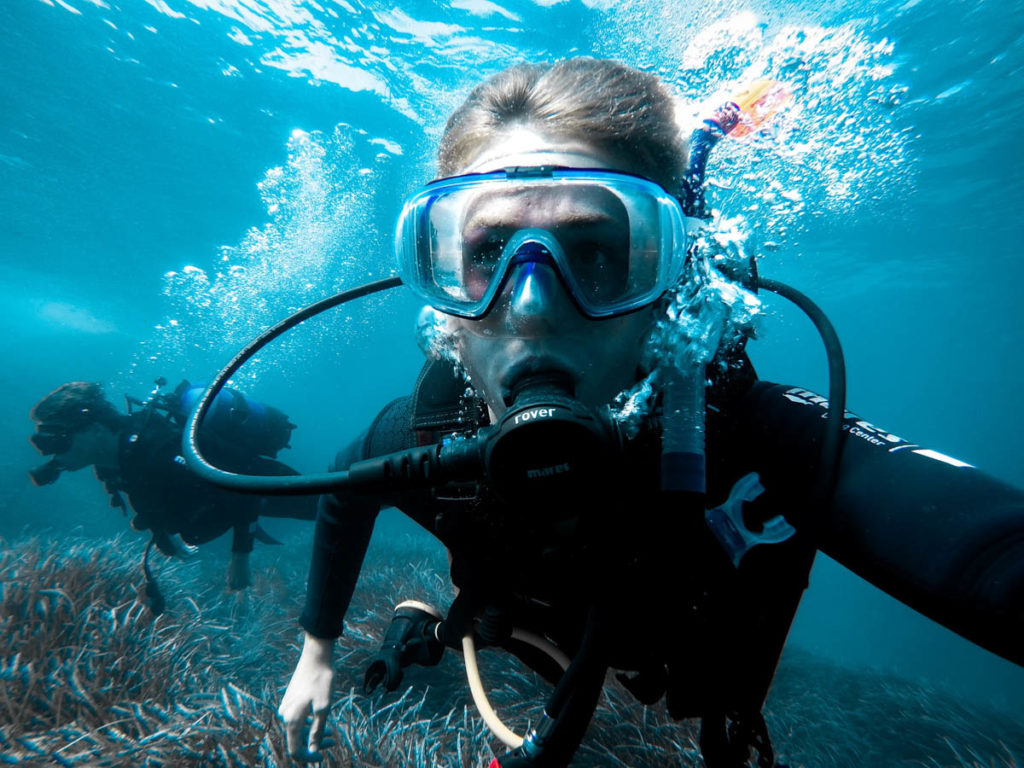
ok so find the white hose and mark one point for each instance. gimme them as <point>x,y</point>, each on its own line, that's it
<point>511,739</point>
<point>498,728</point>
<point>541,644</point>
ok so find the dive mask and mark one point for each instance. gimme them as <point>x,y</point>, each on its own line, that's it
<point>617,241</point>
<point>51,439</point>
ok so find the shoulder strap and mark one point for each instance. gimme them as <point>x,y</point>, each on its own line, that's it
<point>441,402</point>
<point>439,405</point>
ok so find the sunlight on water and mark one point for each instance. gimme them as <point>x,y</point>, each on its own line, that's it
<point>831,151</point>
<point>834,151</point>
<point>356,48</point>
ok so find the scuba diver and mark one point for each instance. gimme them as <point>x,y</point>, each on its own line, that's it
<point>137,458</point>
<point>556,252</point>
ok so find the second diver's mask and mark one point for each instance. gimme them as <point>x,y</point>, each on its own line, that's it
<point>617,241</point>
<point>50,439</point>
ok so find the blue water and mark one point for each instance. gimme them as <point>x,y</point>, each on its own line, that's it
<point>176,175</point>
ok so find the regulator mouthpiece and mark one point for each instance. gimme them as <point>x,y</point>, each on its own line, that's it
<point>548,442</point>
<point>537,386</point>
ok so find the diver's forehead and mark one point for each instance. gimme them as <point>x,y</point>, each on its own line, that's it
<point>539,206</point>
<point>526,147</point>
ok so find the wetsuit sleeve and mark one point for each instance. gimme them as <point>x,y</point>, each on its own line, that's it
<point>344,525</point>
<point>934,532</point>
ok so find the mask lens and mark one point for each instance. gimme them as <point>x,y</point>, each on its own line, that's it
<point>482,249</point>
<point>51,439</point>
<point>608,233</point>
<point>597,252</point>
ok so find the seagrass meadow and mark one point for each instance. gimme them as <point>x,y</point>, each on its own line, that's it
<point>89,677</point>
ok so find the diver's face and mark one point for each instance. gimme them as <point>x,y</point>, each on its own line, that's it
<point>534,325</point>
<point>86,448</point>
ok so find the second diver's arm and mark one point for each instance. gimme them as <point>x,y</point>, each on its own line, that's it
<point>238,576</point>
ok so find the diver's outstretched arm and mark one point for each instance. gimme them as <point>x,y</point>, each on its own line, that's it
<point>340,540</point>
<point>932,531</point>
<point>308,692</point>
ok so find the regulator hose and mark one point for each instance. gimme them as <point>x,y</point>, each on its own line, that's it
<point>832,443</point>
<point>295,485</point>
<point>287,485</point>
<point>476,687</point>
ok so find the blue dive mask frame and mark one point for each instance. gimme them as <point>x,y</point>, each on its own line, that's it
<point>433,262</point>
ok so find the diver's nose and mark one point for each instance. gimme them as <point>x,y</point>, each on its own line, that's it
<point>537,298</point>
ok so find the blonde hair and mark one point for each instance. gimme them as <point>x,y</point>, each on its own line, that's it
<point>614,108</point>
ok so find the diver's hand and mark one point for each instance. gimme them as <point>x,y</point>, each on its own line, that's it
<point>308,690</point>
<point>410,639</point>
<point>238,571</point>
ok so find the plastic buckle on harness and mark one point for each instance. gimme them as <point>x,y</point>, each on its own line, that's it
<point>726,521</point>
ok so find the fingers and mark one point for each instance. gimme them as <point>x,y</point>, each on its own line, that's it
<point>307,751</point>
<point>316,731</point>
<point>293,727</point>
<point>308,691</point>
<point>299,748</point>
<point>375,674</point>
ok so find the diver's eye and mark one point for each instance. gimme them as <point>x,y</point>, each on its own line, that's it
<point>600,268</point>
<point>481,252</point>
<point>487,251</point>
<point>592,255</point>
<point>483,246</point>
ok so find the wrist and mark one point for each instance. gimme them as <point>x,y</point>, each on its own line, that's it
<point>317,650</point>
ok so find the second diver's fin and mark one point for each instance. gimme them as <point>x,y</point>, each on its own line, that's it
<point>262,536</point>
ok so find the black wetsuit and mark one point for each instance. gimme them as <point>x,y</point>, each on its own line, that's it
<point>942,537</point>
<point>168,499</point>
